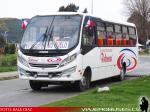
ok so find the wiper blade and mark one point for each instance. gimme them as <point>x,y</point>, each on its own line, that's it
<point>51,39</point>
<point>43,35</point>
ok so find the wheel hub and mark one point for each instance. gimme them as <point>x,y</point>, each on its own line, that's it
<point>83,81</point>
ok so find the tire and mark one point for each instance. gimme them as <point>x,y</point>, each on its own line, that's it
<point>35,85</point>
<point>84,83</point>
<point>122,74</point>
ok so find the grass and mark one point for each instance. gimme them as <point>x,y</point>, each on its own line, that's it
<point>8,62</point>
<point>144,52</point>
<point>8,68</point>
<point>8,57</point>
<point>124,94</point>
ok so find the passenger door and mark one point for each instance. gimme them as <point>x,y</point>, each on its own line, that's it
<point>89,47</point>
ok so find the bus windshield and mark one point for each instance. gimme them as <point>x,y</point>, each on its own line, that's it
<point>52,32</point>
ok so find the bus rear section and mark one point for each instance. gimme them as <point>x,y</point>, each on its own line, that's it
<point>109,48</point>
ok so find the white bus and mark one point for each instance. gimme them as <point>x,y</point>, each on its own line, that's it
<point>76,48</point>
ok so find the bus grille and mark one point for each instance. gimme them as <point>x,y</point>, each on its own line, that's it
<point>44,65</point>
<point>50,74</point>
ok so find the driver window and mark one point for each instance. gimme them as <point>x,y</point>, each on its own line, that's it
<point>88,36</point>
<point>88,32</point>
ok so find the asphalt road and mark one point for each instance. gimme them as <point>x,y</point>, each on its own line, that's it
<point>143,67</point>
<point>17,92</point>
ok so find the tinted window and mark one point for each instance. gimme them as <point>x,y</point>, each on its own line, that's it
<point>110,34</point>
<point>101,33</point>
<point>118,35</point>
<point>88,36</point>
<point>132,36</point>
<point>125,35</point>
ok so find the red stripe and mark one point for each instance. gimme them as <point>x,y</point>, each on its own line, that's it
<point>39,109</point>
<point>119,61</point>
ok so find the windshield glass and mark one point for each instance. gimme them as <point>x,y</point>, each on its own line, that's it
<point>52,32</point>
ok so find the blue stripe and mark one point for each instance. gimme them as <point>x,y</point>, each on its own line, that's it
<point>128,50</point>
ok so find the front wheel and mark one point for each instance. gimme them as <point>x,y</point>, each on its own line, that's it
<point>84,83</point>
<point>35,85</point>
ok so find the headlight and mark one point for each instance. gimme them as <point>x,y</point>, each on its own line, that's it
<point>23,61</point>
<point>69,59</point>
<point>69,71</point>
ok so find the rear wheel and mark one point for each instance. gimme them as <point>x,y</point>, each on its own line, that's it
<point>84,83</point>
<point>35,85</point>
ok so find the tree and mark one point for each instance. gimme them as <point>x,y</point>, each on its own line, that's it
<point>139,6</point>
<point>2,42</point>
<point>69,8</point>
<point>10,49</point>
<point>61,9</point>
<point>85,10</point>
<point>136,18</point>
<point>139,11</point>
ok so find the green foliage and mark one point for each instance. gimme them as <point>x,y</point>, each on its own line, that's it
<point>10,49</point>
<point>69,8</point>
<point>8,60</point>
<point>2,42</point>
<point>3,26</point>
<point>8,68</point>
<point>144,52</point>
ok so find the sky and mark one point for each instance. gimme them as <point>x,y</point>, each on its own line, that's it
<point>109,9</point>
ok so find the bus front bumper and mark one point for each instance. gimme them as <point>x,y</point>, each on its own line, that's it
<point>68,75</point>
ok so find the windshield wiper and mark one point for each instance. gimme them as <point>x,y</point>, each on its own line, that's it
<point>51,39</point>
<point>44,37</point>
<point>48,33</point>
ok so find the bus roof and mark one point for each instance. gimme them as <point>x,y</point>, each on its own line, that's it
<point>87,14</point>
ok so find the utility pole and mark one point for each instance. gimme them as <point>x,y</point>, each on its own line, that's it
<point>147,34</point>
<point>5,35</point>
<point>92,7</point>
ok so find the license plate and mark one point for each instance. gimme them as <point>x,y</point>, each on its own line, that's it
<point>42,73</point>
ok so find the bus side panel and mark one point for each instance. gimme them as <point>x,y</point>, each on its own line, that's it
<point>129,55</point>
<point>101,60</point>
<point>92,59</point>
<point>106,62</point>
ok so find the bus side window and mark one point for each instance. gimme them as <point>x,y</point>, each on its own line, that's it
<point>132,36</point>
<point>101,33</point>
<point>125,35</point>
<point>110,34</point>
<point>118,35</point>
<point>88,37</point>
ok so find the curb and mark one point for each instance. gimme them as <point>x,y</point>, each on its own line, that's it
<point>8,78</point>
<point>8,75</point>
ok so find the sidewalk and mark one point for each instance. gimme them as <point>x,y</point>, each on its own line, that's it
<point>9,74</point>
